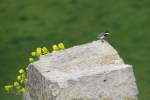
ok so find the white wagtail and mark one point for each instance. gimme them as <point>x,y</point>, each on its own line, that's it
<point>102,36</point>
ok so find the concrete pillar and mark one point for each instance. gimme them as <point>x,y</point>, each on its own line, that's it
<point>92,71</point>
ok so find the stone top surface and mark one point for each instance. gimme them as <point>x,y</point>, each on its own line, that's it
<point>95,52</point>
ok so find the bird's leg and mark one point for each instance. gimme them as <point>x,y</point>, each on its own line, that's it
<point>102,40</point>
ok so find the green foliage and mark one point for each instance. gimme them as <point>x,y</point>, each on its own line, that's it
<point>25,25</point>
<point>18,86</point>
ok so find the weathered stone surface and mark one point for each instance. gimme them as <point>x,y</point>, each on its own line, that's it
<point>92,71</point>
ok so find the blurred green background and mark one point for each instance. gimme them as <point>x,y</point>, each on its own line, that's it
<point>27,24</point>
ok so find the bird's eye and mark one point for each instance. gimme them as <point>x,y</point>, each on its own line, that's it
<point>105,34</point>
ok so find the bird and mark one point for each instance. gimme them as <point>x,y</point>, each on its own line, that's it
<point>102,36</point>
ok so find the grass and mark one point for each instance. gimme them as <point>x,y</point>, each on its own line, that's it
<point>25,25</point>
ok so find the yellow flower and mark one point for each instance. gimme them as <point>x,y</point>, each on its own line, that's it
<point>31,59</point>
<point>26,68</point>
<point>22,81</point>
<point>38,51</point>
<point>55,47</point>
<point>21,71</point>
<point>33,54</point>
<point>8,87</point>
<point>18,77</point>
<point>16,84</point>
<point>61,46</point>
<point>22,90</point>
<point>23,75</point>
<point>18,87</point>
<point>44,50</point>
